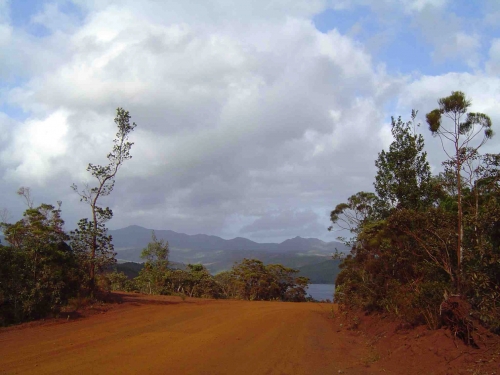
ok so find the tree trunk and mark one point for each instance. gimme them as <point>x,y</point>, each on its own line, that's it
<point>93,252</point>
<point>459,229</point>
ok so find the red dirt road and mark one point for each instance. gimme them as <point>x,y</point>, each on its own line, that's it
<point>165,335</point>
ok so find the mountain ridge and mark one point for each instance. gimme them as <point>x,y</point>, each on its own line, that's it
<point>219,254</point>
<point>134,236</point>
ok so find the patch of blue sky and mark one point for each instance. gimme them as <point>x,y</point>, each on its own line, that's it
<point>397,44</point>
<point>14,112</point>
<point>410,54</point>
<point>23,11</point>
<point>342,20</point>
<point>467,8</point>
<point>400,53</point>
<point>404,53</point>
<point>69,7</point>
<point>473,14</point>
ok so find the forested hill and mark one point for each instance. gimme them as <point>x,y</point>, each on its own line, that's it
<point>136,237</point>
<point>218,254</point>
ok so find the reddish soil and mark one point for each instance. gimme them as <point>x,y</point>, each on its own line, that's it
<point>166,335</point>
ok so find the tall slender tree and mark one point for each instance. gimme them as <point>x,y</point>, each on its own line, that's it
<point>90,239</point>
<point>466,132</point>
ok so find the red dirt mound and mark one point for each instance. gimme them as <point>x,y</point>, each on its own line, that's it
<point>400,349</point>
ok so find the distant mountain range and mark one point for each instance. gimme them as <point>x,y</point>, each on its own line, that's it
<point>310,255</point>
<point>134,237</point>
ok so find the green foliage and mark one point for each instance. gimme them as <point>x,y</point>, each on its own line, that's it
<point>482,243</point>
<point>408,252</point>
<point>225,281</point>
<point>250,279</point>
<point>156,278</point>
<point>152,278</point>
<point>39,271</point>
<point>434,120</point>
<point>360,208</point>
<point>119,281</point>
<point>403,177</point>
<point>82,239</point>
<point>156,253</point>
<point>461,141</point>
<point>198,282</point>
<point>256,281</point>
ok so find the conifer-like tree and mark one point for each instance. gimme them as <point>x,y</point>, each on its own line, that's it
<point>404,177</point>
<point>90,240</point>
<point>466,132</point>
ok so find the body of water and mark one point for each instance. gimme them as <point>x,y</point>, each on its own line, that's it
<point>321,291</point>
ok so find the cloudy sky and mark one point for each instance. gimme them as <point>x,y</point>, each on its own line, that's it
<point>254,118</point>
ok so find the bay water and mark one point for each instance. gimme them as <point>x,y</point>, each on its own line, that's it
<point>321,291</point>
